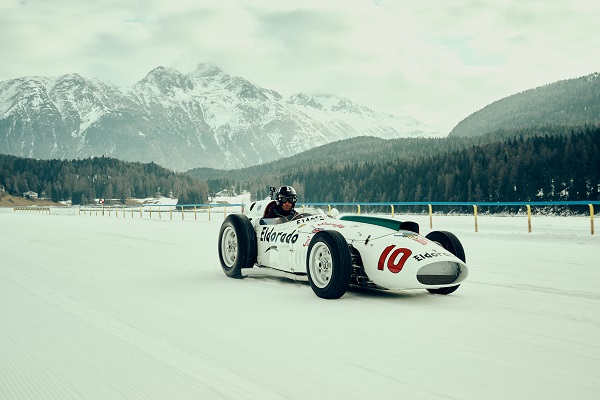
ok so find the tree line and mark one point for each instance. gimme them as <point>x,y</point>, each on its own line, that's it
<point>533,164</point>
<point>82,181</point>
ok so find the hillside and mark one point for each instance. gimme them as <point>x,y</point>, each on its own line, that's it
<point>347,151</point>
<point>539,163</point>
<point>567,102</point>
<point>364,149</point>
<point>7,200</point>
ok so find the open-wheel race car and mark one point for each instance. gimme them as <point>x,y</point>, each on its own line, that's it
<point>336,253</point>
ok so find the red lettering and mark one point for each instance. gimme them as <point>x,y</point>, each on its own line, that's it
<point>396,266</point>
<point>383,256</point>
<point>396,261</point>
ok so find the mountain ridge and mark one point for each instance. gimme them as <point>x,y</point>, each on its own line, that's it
<point>205,118</point>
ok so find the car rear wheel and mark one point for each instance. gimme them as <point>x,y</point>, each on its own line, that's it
<point>237,245</point>
<point>450,242</point>
<point>329,265</point>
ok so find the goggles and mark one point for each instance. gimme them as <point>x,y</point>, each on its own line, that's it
<point>289,199</point>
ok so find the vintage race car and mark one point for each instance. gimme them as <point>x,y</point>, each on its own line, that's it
<point>335,253</point>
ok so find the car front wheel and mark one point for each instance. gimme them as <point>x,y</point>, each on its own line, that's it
<point>329,265</point>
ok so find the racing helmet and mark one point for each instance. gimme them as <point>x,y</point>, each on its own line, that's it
<point>286,193</point>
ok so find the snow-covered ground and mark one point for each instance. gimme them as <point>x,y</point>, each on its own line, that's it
<point>130,308</point>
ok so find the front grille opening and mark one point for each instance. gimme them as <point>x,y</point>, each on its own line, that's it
<point>439,273</point>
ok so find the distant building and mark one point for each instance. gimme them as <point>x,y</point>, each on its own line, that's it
<point>225,193</point>
<point>30,195</point>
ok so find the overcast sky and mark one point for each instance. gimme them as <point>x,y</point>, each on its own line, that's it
<point>437,60</point>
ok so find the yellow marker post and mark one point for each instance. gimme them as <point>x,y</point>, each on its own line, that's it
<point>528,218</point>
<point>430,216</point>
<point>475,214</point>
<point>392,210</point>
<point>592,217</point>
<point>195,216</point>
<point>359,209</point>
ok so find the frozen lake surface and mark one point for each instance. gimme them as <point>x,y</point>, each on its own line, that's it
<point>117,308</point>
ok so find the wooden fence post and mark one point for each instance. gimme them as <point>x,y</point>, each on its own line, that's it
<point>430,216</point>
<point>592,217</point>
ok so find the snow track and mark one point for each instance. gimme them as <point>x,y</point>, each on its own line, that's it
<point>122,308</point>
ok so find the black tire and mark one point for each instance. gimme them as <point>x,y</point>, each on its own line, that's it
<point>329,265</point>
<point>450,242</point>
<point>237,245</point>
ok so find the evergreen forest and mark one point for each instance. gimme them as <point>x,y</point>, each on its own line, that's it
<point>551,163</point>
<point>82,181</point>
<point>543,163</point>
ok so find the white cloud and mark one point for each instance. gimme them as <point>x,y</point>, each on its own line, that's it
<point>439,61</point>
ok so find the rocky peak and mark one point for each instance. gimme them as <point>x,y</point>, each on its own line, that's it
<point>307,100</point>
<point>206,69</point>
<point>165,81</point>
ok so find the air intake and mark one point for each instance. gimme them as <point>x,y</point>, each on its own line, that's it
<point>439,273</point>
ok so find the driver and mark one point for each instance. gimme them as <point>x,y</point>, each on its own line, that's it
<point>286,200</point>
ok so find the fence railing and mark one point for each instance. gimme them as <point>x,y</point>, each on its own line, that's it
<point>158,211</point>
<point>474,205</point>
<point>33,209</point>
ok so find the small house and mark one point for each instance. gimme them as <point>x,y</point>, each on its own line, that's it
<point>30,195</point>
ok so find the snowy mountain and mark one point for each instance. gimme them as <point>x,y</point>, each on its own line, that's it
<point>206,118</point>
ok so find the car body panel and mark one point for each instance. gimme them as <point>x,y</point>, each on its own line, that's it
<point>391,258</point>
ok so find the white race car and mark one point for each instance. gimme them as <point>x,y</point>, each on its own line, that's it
<point>334,253</point>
